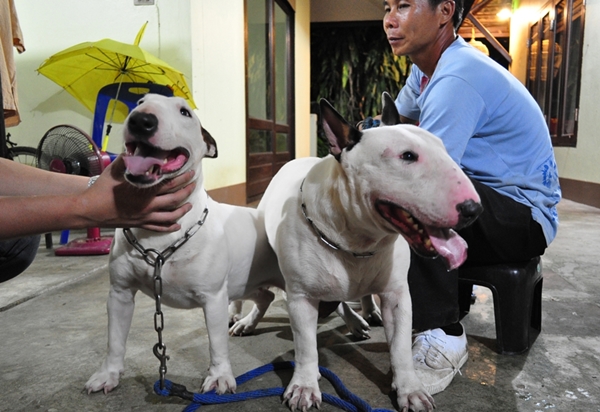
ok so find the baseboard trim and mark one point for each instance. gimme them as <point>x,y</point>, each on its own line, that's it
<point>578,191</point>
<point>233,195</point>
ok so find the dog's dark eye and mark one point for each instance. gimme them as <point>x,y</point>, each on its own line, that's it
<point>409,156</point>
<point>185,112</point>
<point>140,101</point>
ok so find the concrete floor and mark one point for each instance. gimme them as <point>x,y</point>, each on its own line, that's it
<point>53,328</point>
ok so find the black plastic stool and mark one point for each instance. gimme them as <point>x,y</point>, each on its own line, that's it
<point>517,293</point>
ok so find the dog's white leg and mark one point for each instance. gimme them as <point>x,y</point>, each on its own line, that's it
<point>262,300</point>
<point>303,390</point>
<point>120,305</point>
<point>356,324</point>
<point>220,376</point>
<point>235,311</point>
<point>370,311</point>
<point>397,321</point>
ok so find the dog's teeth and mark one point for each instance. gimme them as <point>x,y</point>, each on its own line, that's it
<point>165,161</point>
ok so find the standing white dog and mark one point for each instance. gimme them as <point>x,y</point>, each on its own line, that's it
<point>335,222</point>
<point>228,257</point>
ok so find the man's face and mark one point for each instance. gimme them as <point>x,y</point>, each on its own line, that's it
<point>411,26</point>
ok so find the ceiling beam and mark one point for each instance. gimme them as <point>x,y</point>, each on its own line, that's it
<point>493,41</point>
<point>479,6</point>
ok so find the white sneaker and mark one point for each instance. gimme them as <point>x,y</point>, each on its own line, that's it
<point>438,357</point>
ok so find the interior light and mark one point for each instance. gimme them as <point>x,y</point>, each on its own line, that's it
<point>504,14</point>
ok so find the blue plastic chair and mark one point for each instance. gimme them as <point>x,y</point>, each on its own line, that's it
<point>129,94</point>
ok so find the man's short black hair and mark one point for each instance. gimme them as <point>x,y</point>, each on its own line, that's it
<point>461,9</point>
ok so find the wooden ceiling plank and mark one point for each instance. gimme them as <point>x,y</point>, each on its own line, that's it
<point>493,41</point>
<point>479,6</point>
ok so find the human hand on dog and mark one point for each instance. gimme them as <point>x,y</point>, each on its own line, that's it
<point>36,201</point>
<point>116,203</point>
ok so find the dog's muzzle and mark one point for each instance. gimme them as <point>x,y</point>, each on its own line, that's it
<point>142,124</point>
<point>468,211</point>
<point>148,164</point>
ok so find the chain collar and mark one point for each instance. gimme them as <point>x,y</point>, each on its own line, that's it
<point>324,239</point>
<point>166,253</point>
<point>156,259</point>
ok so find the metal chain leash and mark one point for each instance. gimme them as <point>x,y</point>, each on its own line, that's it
<point>156,259</point>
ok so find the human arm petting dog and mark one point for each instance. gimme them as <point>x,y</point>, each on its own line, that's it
<point>34,201</point>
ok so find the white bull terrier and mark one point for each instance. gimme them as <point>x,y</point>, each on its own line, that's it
<point>228,257</point>
<point>341,228</point>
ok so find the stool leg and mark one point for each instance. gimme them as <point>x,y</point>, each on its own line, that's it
<point>48,237</point>
<point>513,310</point>
<point>465,291</point>
<point>516,291</point>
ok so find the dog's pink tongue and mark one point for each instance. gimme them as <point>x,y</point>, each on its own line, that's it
<point>450,246</point>
<point>138,165</point>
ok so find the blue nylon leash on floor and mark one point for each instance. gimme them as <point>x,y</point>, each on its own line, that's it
<point>348,401</point>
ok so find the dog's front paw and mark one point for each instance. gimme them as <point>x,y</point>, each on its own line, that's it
<point>103,380</point>
<point>302,397</point>
<point>220,382</point>
<point>416,400</point>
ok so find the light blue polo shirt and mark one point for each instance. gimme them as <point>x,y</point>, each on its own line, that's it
<point>491,126</point>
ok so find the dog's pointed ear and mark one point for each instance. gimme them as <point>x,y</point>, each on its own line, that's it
<point>340,134</point>
<point>211,144</point>
<point>389,115</point>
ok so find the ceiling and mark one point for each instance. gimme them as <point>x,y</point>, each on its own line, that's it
<point>367,10</point>
<point>485,12</point>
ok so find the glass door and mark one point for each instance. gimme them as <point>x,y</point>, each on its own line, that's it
<point>270,100</point>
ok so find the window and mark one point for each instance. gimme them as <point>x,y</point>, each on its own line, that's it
<point>270,96</point>
<point>554,67</point>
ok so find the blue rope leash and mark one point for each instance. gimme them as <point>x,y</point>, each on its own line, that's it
<point>347,401</point>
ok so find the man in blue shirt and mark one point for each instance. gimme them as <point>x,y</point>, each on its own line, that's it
<point>492,128</point>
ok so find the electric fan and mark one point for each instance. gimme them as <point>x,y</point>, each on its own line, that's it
<point>67,149</point>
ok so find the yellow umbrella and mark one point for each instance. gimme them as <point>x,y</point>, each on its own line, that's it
<point>85,68</point>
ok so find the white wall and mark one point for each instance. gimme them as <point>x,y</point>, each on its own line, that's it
<point>302,74</point>
<point>219,86</point>
<point>579,163</point>
<point>204,39</point>
<point>48,29</point>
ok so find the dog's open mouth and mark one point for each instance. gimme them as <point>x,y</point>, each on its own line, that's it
<point>146,164</point>
<point>425,240</point>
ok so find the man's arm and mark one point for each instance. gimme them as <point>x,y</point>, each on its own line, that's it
<point>17,179</point>
<point>110,202</point>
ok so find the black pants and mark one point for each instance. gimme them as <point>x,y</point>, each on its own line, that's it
<point>16,255</point>
<point>504,232</point>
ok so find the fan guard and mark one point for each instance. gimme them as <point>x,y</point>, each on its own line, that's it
<point>67,149</point>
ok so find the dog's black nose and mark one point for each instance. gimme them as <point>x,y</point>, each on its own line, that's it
<point>468,211</point>
<point>142,124</point>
